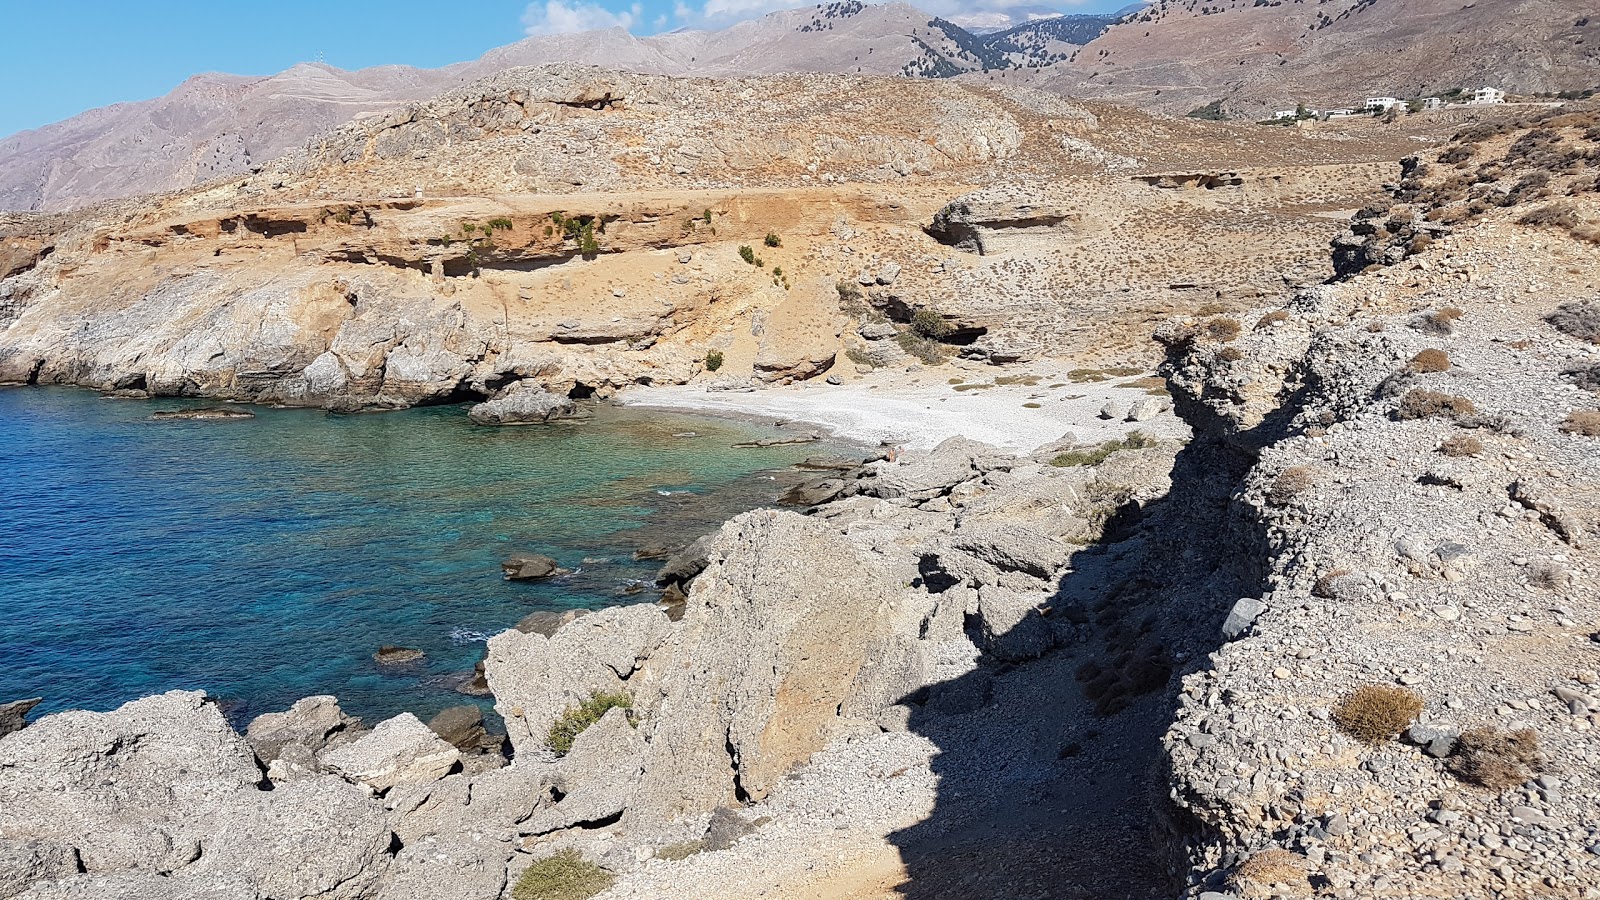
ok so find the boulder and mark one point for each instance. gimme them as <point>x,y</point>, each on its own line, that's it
<point>1012,624</point>
<point>547,622</point>
<point>319,837</point>
<point>526,566</point>
<point>683,566</point>
<point>462,727</point>
<point>400,750</point>
<point>14,715</point>
<point>309,724</point>
<point>812,493</point>
<point>523,403</point>
<point>139,787</point>
<point>1013,548</point>
<point>1241,617</point>
<point>535,678</point>
<point>596,779</point>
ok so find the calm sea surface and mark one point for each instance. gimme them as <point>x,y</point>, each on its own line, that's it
<point>266,560</point>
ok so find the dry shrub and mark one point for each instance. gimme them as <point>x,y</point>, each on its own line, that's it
<point>1327,587</point>
<point>1230,354</point>
<point>1421,404</point>
<point>1589,234</point>
<point>1548,574</point>
<point>1579,319</point>
<point>1290,483</point>
<point>1586,377</point>
<point>1272,318</point>
<point>1554,215</point>
<point>1429,361</point>
<point>1223,329</point>
<point>1461,445</point>
<point>1271,867</point>
<point>1495,759</point>
<point>1585,422</point>
<point>1440,321</point>
<point>1375,713</point>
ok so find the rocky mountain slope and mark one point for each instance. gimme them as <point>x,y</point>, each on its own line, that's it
<point>1261,57</point>
<point>222,125</point>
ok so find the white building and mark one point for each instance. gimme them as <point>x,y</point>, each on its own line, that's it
<point>1381,104</point>
<point>1432,103</point>
<point>1486,95</point>
<point>1285,114</point>
<point>1340,113</point>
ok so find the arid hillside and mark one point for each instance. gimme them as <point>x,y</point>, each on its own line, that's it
<point>586,231</point>
<point>1261,57</point>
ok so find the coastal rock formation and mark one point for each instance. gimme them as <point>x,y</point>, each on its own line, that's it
<point>524,403</point>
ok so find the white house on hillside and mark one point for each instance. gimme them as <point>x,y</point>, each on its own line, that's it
<point>1487,95</point>
<point>1432,103</point>
<point>1380,104</point>
<point>1340,113</point>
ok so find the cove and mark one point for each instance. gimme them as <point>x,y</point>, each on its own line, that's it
<point>265,560</point>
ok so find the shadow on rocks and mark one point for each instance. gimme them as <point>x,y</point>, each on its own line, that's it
<point>1052,776</point>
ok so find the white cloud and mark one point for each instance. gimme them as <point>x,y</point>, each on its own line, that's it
<point>563,17</point>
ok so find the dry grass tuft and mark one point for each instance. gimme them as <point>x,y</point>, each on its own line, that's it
<point>1440,321</point>
<point>1272,318</point>
<point>1429,361</point>
<point>1376,713</point>
<point>1584,422</point>
<point>1327,586</point>
<point>1223,329</point>
<point>1495,759</point>
<point>1271,867</point>
<point>1291,483</point>
<point>1461,445</point>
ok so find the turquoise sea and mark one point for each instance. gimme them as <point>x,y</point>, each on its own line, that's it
<point>267,559</point>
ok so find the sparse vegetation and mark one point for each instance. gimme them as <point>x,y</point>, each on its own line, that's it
<point>1586,377</point>
<point>930,324</point>
<point>675,852</point>
<point>1272,318</point>
<point>928,351</point>
<point>860,358</point>
<point>1271,867</point>
<point>564,876</point>
<point>1439,321</point>
<point>1584,422</point>
<point>772,240</point>
<point>1548,574</point>
<point>1461,445</point>
<point>1494,759</point>
<point>1327,586</point>
<point>1222,329</point>
<point>1211,112</point>
<point>1429,361</point>
<point>1094,456</point>
<point>748,254</point>
<point>500,223</point>
<point>575,719</point>
<point>1423,404</point>
<point>1579,319</point>
<point>713,360</point>
<point>1290,483</point>
<point>1376,713</point>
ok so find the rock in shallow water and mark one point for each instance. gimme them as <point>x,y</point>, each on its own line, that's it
<point>523,566</point>
<point>524,403</point>
<point>207,413</point>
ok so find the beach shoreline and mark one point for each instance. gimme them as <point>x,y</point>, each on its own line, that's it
<point>1019,409</point>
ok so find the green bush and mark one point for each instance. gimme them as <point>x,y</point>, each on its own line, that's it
<point>500,223</point>
<point>713,360</point>
<point>930,352</point>
<point>747,253</point>
<point>772,240</point>
<point>588,244</point>
<point>1094,456</point>
<point>564,876</point>
<point>575,719</point>
<point>930,324</point>
<point>1211,112</point>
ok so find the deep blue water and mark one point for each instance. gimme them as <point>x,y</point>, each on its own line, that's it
<point>266,560</point>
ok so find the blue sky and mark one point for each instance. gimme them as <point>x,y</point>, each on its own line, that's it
<point>60,57</point>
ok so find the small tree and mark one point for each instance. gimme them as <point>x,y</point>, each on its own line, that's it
<point>713,360</point>
<point>772,240</point>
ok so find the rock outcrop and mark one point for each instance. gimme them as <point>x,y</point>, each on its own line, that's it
<point>524,403</point>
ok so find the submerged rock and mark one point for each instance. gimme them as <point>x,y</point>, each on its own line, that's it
<point>205,413</point>
<point>524,403</point>
<point>389,655</point>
